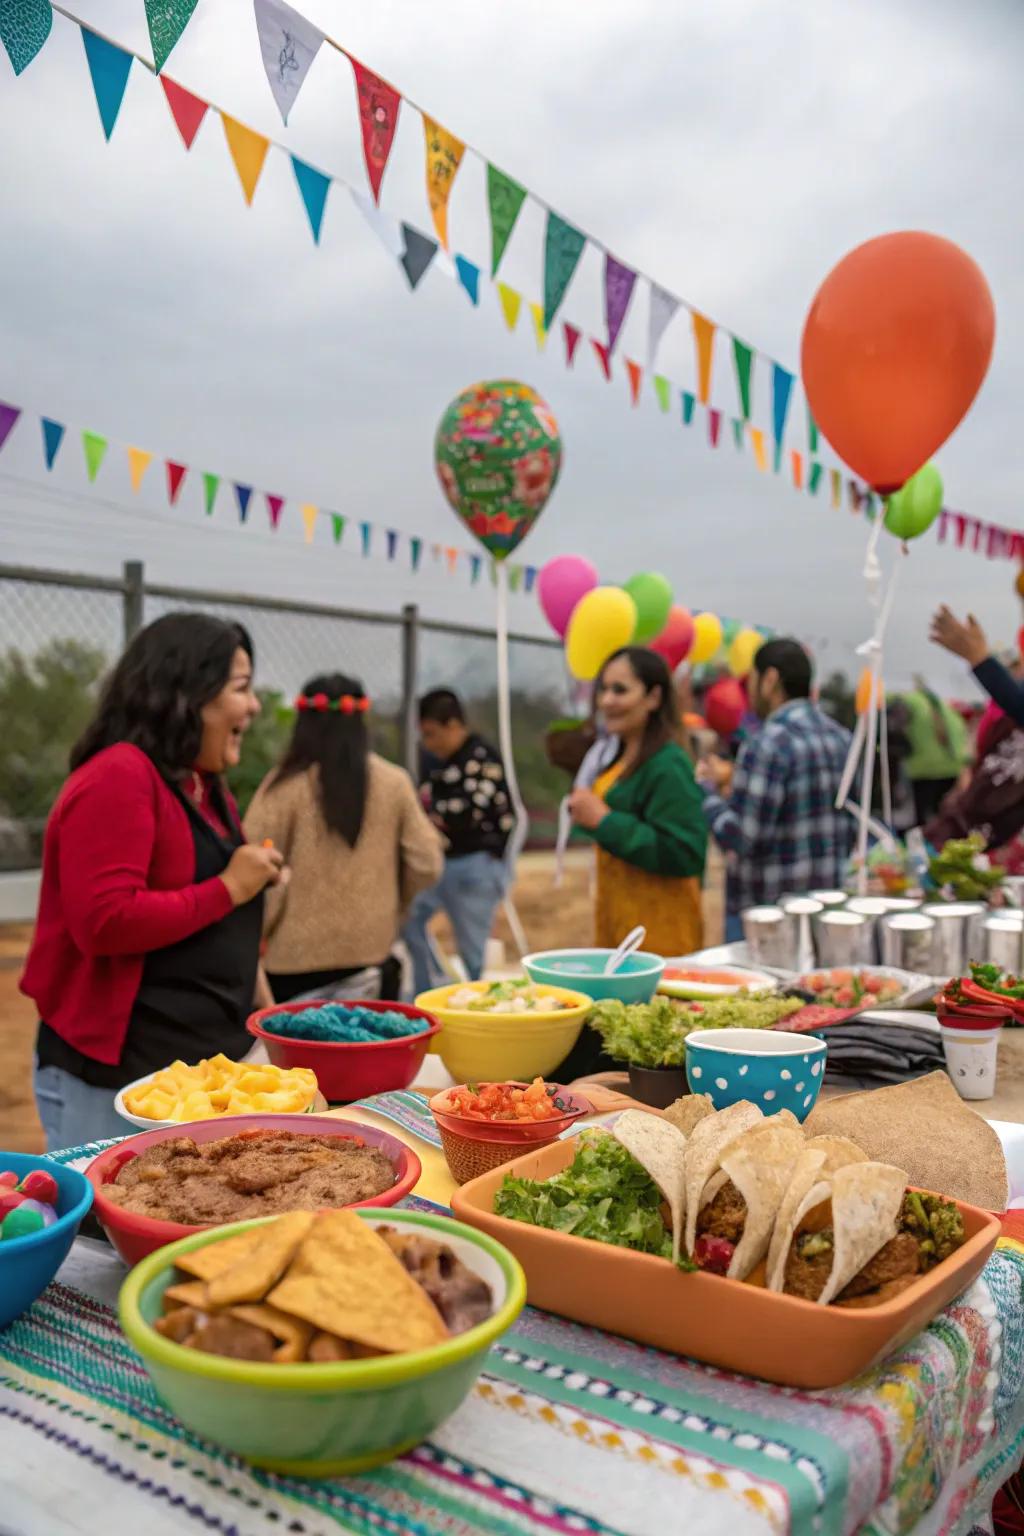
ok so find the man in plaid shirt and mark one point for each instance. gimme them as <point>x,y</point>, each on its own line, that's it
<point>779,826</point>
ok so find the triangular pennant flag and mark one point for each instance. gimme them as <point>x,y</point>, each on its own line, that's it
<point>379,105</point>
<point>366,529</point>
<point>444,156</point>
<point>742,357</point>
<point>529,578</point>
<point>415,552</point>
<point>603,356</point>
<point>475,562</point>
<point>737,431</point>
<point>274,508</point>
<point>714,426</point>
<point>869,507</point>
<point>53,436</point>
<point>812,433</point>
<point>435,552</point>
<point>167,20</point>
<point>572,341</point>
<point>337,527</point>
<point>8,416</point>
<point>853,495</point>
<point>663,390</point>
<point>187,110</point>
<point>210,485</point>
<point>309,515</point>
<point>619,281</point>
<point>452,558</point>
<point>383,225</point>
<point>289,44</point>
<point>175,476</point>
<point>663,306</point>
<point>815,478</point>
<point>505,198</point>
<point>139,460</point>
<point>248,151</point>
<point>563,247</point>
<point>636,375</point>
<point>540,330</point>
<point>797,460</point>
<point>243,494</point>
<point>313,185</point>
<point>837,482</point>
<point>511,303</point>
<point>704,337</point>
<point>782,385</point>
<point>689,401</point>
<point>515,577</point>
<point>392,538</point>
<point>417,255</point>
<point>469,277</point>
<point>109,68</point>
<point>24,27</point>
<point>95,447</point>
<point>760,456</point>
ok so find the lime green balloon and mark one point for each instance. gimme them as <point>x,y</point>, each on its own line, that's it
<point>912,510</point>
<point>653,598</point>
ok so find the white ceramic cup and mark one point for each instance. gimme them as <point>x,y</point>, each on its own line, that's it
<point>971,1059</point>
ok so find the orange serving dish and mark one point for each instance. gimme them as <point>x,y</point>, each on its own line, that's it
<point>724,1323</point>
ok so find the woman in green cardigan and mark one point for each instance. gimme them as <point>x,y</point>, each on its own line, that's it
<point>645,812</point>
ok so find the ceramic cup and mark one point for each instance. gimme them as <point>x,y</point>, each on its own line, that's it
<point>971,1058</point>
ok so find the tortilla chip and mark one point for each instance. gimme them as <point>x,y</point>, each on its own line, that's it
<point>187,1293</point>
<point>345,1280</point>
<point>213,1258</point>
<point>293,1333</point>
<point>252,1276</point>
<point>821,1156</point>
<point>658,1147</point>
<point>760,1164</point>
<point>686,1112</point>
<point>866,1200</point>
<point>708,1141</point>
<point>925,1127</point>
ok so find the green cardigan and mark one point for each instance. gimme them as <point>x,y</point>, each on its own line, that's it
<point>656,817</point>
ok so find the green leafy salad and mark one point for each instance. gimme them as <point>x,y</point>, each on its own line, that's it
<point>654,1034</point>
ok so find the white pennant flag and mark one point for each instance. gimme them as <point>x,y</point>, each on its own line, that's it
<point>289,44</point>
<point>383,225</point>
<point>663,307</point>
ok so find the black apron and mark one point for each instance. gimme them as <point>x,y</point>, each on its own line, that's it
<point>194,996</point>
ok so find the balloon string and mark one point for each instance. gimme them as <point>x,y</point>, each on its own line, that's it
<point>514,846</point>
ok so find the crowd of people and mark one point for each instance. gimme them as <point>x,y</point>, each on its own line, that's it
<point>165,919</point>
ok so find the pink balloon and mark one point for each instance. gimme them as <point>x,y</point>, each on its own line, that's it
<point>725,704</point>
<point>560,585</point>
<point>676,638</point>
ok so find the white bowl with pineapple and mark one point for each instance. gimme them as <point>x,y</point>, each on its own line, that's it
<point>215,1087</point>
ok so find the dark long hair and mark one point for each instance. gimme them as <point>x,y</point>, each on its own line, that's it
<point>663,724</point>
<point>154,695</point>
<point>337,744</point>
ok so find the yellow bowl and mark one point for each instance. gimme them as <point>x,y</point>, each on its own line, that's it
<point>499,1047</point>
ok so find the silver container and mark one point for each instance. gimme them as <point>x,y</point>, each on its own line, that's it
<point>1013,886</point>
<point>771,937</point>
<point>873,908</point>
<point>803,909</point>
<point>908,942</point>
<point>958,935</point>
<point>830,898</point>
<point>1002,940</point>
<point>844,938</point>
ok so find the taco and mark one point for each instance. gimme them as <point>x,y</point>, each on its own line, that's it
<point>739,1203</point>
<point>820,1157</point>
<point>843,1238</point>
<point>659,1148</point>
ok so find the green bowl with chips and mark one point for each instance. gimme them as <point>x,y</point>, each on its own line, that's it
<point>330,1419</point>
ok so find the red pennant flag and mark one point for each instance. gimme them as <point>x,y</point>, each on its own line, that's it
<point>994,537</point>
<point>961,528</point>
<point>572,341</point>
<point>187,110</point>
<point>175,475</point>
<point>943,526</point>
<point>976,535</point>
<point>379,105</point>
<point>636,375</point>
<point>604,357</point>
<point>798,468</point>
<point>714,426</point>
<point>274,505</point>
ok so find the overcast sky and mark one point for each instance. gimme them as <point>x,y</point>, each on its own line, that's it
<point>731,149</point>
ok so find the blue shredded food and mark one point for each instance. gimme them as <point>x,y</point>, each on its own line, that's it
<point>344,1024</point>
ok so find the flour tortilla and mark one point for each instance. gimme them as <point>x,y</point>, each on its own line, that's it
<point>821,1156</point>
<point>704,1148</point>
<point>659,1148</point>
<point>866,1200</point>
<point>760,1165</point>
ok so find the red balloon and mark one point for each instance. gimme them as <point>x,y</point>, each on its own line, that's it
<point>1020,641</point>
<point>895,346</point>
<point>676,638</point>
<point>725,704</point>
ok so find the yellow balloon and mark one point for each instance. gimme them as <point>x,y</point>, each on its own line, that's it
<point>743,650</point>
<point>863,696</point>
<point>602,621</point>
<point>707,637</point>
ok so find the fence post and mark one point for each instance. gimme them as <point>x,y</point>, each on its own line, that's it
<point>410,667</point>
<point>134,598</point>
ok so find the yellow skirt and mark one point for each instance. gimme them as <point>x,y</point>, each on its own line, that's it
<point>668,906</point>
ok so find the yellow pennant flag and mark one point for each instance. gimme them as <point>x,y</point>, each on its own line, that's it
<point>309,516</point>
<point>444,156</point>
<point>511,302</point>
<point>138,462</point>
<point>248,151</point>
<point>760,456</point>
<point>704,336</point>
<point>837,481</point>
<point>539,328</point>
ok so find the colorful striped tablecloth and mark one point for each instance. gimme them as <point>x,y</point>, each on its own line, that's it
<point>568,1430</point>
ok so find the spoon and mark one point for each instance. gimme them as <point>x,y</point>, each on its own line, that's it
<point>630,942</point>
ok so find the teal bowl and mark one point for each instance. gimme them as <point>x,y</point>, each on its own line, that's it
<point>28,1264</point>
<point>773,1068</point>
<point>636,980</point>
<point>328,1420</point>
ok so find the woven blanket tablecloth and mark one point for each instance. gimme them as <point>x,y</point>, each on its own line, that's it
<point>568,1430</point>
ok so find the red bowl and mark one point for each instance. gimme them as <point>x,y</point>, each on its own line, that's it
<point>345,1072</point>
<point>135,1236</point>
<point>522,1133</point>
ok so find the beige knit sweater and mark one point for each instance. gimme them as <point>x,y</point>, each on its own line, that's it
<point>343,906</point>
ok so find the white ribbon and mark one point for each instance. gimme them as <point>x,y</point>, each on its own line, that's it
<point>514,846</point>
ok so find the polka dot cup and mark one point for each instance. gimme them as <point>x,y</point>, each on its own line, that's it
<point>773,1069</point>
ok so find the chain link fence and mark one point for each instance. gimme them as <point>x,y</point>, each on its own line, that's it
<point>61,632</point>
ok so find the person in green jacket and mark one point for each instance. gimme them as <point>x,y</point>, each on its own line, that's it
<point>645,812</point>
<point>939,749</point>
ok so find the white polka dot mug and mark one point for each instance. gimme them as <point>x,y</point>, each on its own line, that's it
<point>773,1068</point>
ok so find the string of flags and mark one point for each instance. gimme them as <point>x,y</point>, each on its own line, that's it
<point>372,536</point>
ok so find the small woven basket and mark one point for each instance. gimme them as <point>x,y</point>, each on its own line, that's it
<point>468,1159</point>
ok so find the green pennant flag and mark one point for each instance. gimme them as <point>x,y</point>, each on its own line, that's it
<point>563,247</point>
<point>515,576</point>
<point>337,526</point>
<point>869,507</point>
<point>812,433</point>
<point>415,552</point>
<point>689,401</point>
<point>167,20</point>
<point>95,447</point>
<point>742,356</point>
<point>737,431</point>
<point>663,390</point>
<point>210,484</point>
<point>815,478</point>
<point>505,198</point>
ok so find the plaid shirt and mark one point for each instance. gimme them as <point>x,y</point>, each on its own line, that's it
<point>779,827</point>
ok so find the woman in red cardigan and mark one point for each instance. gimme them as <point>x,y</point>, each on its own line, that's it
<point>146,946</point>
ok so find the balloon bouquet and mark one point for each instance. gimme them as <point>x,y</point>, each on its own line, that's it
<point>895,347</point>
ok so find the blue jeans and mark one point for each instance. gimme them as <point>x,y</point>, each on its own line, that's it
<point>733,928</point>
<point>73,1113</point>
<point>469,891</point>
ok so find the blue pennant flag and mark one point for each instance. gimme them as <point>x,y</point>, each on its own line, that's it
<point>366,529</point>
<point>469,277</point>
<point>53,436</point>
<point>243,493</point>
<point>109,68</point>
<point>415,551</point>
<point>392,543</point>
<point>313,185</point>
<point>529,578</point>
<point>475,562</point>
<point>782,385</point>
<point>419,252</point>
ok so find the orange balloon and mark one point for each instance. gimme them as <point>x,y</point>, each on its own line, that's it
<point>895,346</point>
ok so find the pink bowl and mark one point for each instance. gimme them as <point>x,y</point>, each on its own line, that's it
<point>345,1072</point>
<point>522,1133</point>
<point>135,1236</point>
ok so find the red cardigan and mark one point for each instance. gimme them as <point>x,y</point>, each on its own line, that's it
<point>118,865</point>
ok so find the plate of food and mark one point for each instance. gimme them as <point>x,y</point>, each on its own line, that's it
<point>681,978</point>
<point>734,1238</point>
<point>212,1088</point>
<point>851,990</point>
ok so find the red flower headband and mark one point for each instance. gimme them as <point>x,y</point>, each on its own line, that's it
<point>347,704</point>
